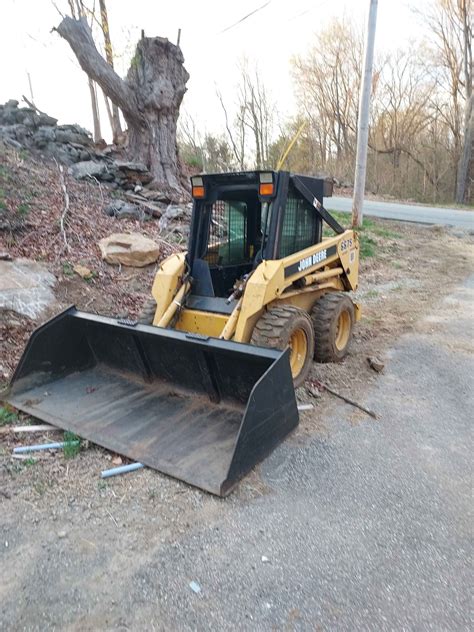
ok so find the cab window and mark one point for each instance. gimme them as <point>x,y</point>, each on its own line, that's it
<point>301,225</point>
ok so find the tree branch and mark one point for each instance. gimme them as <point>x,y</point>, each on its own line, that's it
<point>63,219</point>
<point>78,35</point>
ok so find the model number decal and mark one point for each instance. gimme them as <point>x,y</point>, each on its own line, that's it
<point>346,243</point>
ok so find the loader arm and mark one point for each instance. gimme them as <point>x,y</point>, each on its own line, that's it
<point>167,283</point>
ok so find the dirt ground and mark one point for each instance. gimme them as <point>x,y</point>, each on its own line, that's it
<point>50,501</point>
<point>413,267</point>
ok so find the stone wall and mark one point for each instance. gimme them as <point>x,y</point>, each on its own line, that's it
<point>26,128</point>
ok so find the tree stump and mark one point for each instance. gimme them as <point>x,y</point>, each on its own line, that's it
<point>149,97</point>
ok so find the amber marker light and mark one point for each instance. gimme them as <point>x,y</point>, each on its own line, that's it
<point>266,188</point>
<point>197,187</point>
<point>198,192</point>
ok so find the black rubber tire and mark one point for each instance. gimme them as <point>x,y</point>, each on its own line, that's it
<point>325,316</point>
<point>147,312</point>
<point>274,330</point>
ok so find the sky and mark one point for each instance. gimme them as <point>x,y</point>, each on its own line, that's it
<point>212,50</point>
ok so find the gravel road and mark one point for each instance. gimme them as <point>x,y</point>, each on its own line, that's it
<point>367,529</point>
<point>407,212</point>
<point>365,526</point>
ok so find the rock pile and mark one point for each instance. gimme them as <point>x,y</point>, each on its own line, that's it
<point>72,145</point>
<point>26,128</point>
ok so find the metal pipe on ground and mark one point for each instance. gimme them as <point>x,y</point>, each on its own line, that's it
<point>122,469</point>
<point>44,446</point>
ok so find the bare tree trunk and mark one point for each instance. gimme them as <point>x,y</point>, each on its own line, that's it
<point>109,111</point>
<point>149,98</point>
<point>95,111</point>
<point>466,155</point>
<point>468,136</point>
<point>109,55</point>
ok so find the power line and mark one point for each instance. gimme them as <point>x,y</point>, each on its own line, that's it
<point>245,17</point>
<point>307,11</point>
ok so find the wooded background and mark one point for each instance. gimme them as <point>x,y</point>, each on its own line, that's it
<point>422,115</point>
<point>421,129</point>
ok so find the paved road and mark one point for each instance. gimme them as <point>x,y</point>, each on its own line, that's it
<point>367,528</point>
<point>407,212</point>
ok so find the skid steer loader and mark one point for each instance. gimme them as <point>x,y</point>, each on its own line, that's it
<point>202,386</point>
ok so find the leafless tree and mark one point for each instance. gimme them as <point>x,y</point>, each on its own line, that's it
<point>256,113</point>
<point>450,62</point>
<point>78,10</point>
<point>149,97</point>
<point>112,110</point>
<point>250,131</point>
<point>236,133</point>
<point>327,83</point>
<point>400,111</point>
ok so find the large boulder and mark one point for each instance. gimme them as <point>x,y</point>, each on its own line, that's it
<point>25,287</point>
<point>132,249</point>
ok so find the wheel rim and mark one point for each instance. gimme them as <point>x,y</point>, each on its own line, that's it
<point>343,330</point>
<point>298,344</point>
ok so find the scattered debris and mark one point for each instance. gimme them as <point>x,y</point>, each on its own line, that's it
<point>38,428</point>
<point>312,390</point>
<point>22,457</point>
<point>62,221</point>
<point>123,469</point>
<point>62,534</point>
<point>302,407</point>
<point>117,460</point>
<point>172,213</point>
<point>265,559</point>
<point>44,446</point>
<point>132,249</point>
<point>153,209</point>
<point>324,387</point>
<point>84,272</point>
<point>112,518</point>
<point>195,587</point>
<point>376,364</point>
<point>124,210</point>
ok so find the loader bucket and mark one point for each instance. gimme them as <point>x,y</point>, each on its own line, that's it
<point>202,410</point>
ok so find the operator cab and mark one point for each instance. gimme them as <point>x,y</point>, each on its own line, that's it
<point>240,219</point>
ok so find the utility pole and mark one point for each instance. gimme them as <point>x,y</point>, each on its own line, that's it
<point>363,122</point>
